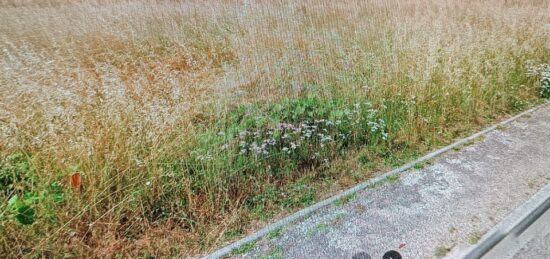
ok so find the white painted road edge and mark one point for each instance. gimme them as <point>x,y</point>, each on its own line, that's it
<point>225,251</point>
<point>514,224</point>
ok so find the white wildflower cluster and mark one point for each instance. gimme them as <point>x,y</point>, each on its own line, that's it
<point>375,125</point>
<point>542,71</point>
<point>545,82</point>
<point>251,142</point>
<point>311,137</point>
<point>201,155</point>
<point>285,137</point>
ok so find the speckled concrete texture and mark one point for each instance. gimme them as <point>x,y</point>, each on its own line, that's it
<point>536,248</point>
<point>430,212</point>
<point>532,242</point>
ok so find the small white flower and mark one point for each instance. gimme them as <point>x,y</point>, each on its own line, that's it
<point>243,134</point>
<point>327,162</point>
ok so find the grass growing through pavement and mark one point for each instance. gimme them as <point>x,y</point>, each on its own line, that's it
<point>191,122</point>
<point>345,200</point>
<point>275,233</point>
<point>276,253</point>
<point>244,248</point>
<point>474,237</point>
<point>442,251</point>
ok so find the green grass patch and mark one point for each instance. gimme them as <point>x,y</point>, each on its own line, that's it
<point>442,251</point>
<point>345,200</point>
<point>275,233</point>
<point>474,237</point>
<point>276,253</point>
<point>244,248</point>
<point>388,180</point>
<point>232,234</point>
<point>319,227</point>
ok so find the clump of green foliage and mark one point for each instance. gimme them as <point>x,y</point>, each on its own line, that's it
<point>545,83</point>
<point>289,135</point>
<point>24,202</point>
<point>273,144</point>
<point>542,72</point>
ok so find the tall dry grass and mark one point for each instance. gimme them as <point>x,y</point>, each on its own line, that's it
<point>125,91</point>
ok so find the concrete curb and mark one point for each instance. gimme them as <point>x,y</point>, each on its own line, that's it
<point>513,224</point>
<point>225,251</point>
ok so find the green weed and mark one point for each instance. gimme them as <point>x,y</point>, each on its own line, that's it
<point>345,200</point>
<point>474,237</point>
<point>442,251</point>
<point>275,233</point>
<point>276,253</point>
<point>244,248</point>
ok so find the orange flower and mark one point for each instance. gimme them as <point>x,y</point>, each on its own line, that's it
<point>76,181</point>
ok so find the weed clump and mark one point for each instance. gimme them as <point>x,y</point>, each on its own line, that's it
<point>542,72</point>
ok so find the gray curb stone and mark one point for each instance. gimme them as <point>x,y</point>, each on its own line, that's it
<point>513,224</point>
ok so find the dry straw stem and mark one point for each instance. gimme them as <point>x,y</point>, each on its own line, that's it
<point>125,91</point>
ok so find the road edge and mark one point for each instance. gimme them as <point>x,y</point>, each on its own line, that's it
<point>514,224</point>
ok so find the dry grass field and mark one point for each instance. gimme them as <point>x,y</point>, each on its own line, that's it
<point>170,128</point>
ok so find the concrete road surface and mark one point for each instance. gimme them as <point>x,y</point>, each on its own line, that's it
<point>532,243</point>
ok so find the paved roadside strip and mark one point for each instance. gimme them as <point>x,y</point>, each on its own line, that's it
<point>524,233</point>
<point>427,212</point>
<point>538,244</point>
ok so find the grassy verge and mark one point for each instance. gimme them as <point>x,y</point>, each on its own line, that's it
<point>183,126</point>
